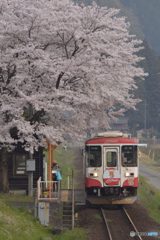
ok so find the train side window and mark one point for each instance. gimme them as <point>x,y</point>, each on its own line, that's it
<point>129,156</point>
<point>111,159</point>
<point>93,156</point>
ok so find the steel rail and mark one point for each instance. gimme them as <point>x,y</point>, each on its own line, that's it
<point>109,233</point>
<point>132,223</point>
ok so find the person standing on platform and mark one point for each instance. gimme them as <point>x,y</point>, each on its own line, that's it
<point>56,176</point>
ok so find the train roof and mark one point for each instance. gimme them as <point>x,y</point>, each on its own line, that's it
<point>106,140</point>
<point>111,137</point>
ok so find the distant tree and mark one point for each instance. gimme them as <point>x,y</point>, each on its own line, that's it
<point>147,12</point>
<point>57,56</point>
<point>148,91</point>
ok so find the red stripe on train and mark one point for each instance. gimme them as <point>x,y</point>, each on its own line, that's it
<point>90,182</point>
<point>131,182</point>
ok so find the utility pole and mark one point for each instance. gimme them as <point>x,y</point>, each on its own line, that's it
<point>145,114</point>
<point>30,179</point>
<point>30,174</point>
<point>64,150</point>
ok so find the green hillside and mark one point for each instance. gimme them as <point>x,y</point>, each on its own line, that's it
<point>148,15</point>
<point>143,15</point>
<point>148,90</point>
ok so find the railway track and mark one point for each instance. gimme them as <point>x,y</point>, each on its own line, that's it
<point>119,225</point>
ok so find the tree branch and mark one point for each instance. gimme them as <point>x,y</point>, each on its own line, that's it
<point>36,117</point>
<point>59,79</point>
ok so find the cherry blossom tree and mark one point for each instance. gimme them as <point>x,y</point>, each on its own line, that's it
<point>58,56</point>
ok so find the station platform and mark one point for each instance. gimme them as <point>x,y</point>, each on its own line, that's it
<point>65,195</point>
<point>79,196</point>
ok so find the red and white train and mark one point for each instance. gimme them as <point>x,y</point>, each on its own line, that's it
<point>111,168</point>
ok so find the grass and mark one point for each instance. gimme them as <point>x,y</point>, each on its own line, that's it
<point>150,156</point>
<point>108,220</point>
<point>149,197</point>
<point>98,217</point>
<point>145,160</point>
<point>76,234</point>
<point>157,170</point>
<point>15,198</point>
<point>18,224</point>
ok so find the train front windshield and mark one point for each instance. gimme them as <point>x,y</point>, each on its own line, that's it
<point>129,156</point>
<point>93,156</point>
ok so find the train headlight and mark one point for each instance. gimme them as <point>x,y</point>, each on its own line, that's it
<point>127,174</point>
<point>93,174</point>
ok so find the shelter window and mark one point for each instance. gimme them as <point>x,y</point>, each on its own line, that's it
<point>129,156</point>
<point>93,156</point>
<point>20,164</point>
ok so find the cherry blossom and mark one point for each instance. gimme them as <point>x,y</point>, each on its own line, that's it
<point>58,56</point>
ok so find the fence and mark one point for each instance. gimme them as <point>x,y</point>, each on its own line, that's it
<point>73,144</point>
<point>48,190</point>
<point>150,141</point>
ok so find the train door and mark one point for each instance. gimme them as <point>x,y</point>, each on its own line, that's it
<point>111,172</point>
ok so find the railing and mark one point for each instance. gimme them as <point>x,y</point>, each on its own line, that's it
<point>48,190</point>
<point>150,141</point>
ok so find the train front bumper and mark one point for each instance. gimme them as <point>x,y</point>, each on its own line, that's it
<point>111,200</point>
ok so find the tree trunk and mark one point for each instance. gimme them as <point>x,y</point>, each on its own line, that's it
<point>4,184</point>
